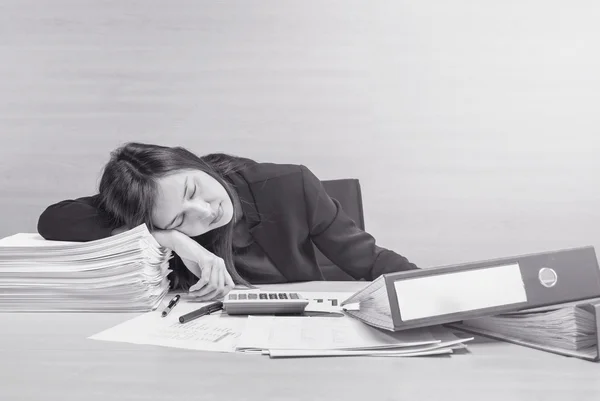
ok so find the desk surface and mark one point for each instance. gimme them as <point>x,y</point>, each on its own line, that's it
<point>48,356</point>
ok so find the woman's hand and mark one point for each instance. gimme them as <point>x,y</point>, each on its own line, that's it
<point>214,281</point>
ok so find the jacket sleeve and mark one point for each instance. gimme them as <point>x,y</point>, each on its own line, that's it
<point>77,220</point>
<point>82,220</point>
<point>341,240</point>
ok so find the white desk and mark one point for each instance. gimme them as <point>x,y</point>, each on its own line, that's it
<point>48,357</point>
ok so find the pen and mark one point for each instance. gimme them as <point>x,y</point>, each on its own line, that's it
<point>205,310</point>
<point>171,305</point>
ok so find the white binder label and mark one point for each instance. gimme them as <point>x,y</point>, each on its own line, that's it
<point>464,291</point>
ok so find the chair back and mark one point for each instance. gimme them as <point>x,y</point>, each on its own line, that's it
<point>347,192</point>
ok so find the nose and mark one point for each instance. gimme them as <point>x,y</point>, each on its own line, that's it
<point>202,210</point>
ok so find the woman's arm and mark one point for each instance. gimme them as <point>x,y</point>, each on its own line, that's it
<point>341,240</point>
<point>83,220</point>
<point>75,220</point>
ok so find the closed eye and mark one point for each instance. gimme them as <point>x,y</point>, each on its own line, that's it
<point>194,191</point>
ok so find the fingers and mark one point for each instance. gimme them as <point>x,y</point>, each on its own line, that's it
<point>213,286</point>
<point>213,283</point>
<point>228,280</point>
<point>214,279</point>
<point>203,279</point>
<point>225,282</point>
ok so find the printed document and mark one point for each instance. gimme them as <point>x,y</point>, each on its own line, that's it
<point>216,332</point>
<point>281,336</point>
<point>284,332</point>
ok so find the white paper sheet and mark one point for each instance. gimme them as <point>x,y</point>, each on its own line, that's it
<point>216,332</point>
<point>276,353</point>
<point>447,343</point>
<point>279,336</point>
<point>270,332</point>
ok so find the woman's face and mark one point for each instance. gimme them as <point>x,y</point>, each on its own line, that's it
<point>192,202</point>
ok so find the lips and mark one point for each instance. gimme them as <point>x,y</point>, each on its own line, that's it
<point>218,216</point>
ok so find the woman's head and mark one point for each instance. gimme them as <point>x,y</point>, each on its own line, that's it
<point>191,201</point>
<point>171,188</point>
<point>165,188</point>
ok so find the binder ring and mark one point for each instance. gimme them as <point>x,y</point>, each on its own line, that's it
<point>547,277</point>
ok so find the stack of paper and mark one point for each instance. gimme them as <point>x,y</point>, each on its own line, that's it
<point>281,337</point>
<point>126,272</point>
<point>569,328</point>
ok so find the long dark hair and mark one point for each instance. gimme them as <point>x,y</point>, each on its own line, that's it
<point>128,187</point>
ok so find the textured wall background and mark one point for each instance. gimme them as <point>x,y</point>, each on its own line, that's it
<point>472,125</point>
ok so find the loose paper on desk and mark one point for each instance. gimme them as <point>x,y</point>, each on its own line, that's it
<point>445,343</point>
<point>297,353</point>
<point>325,333</point>
<point>216,332</point>
<point>222,333</point>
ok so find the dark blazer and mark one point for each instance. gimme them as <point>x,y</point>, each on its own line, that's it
<point>286,208</point>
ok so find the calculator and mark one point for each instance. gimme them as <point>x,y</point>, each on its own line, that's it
<point>251,302</point>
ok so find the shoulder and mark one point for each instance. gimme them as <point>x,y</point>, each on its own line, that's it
<point>261,172</point>
<point>290,189</point>
<point>253,171</point>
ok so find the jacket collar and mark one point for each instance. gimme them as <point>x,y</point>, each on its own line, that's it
<point>262,223</point>
<point>246,197</point>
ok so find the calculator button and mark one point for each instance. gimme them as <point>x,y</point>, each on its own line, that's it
<point>232,296</point>
<point>242,296</point>
<point>272,296</point>
<point>293,295</point>
<point>282,296</point>
<point>252,296</point>
<point>263,296</point>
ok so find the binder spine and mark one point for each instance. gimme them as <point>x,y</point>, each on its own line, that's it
<point>393,301</point>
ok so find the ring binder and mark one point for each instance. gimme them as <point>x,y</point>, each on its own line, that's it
<point>445,294</point>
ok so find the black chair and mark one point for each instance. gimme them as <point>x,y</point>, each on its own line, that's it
<point>348,193</point>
